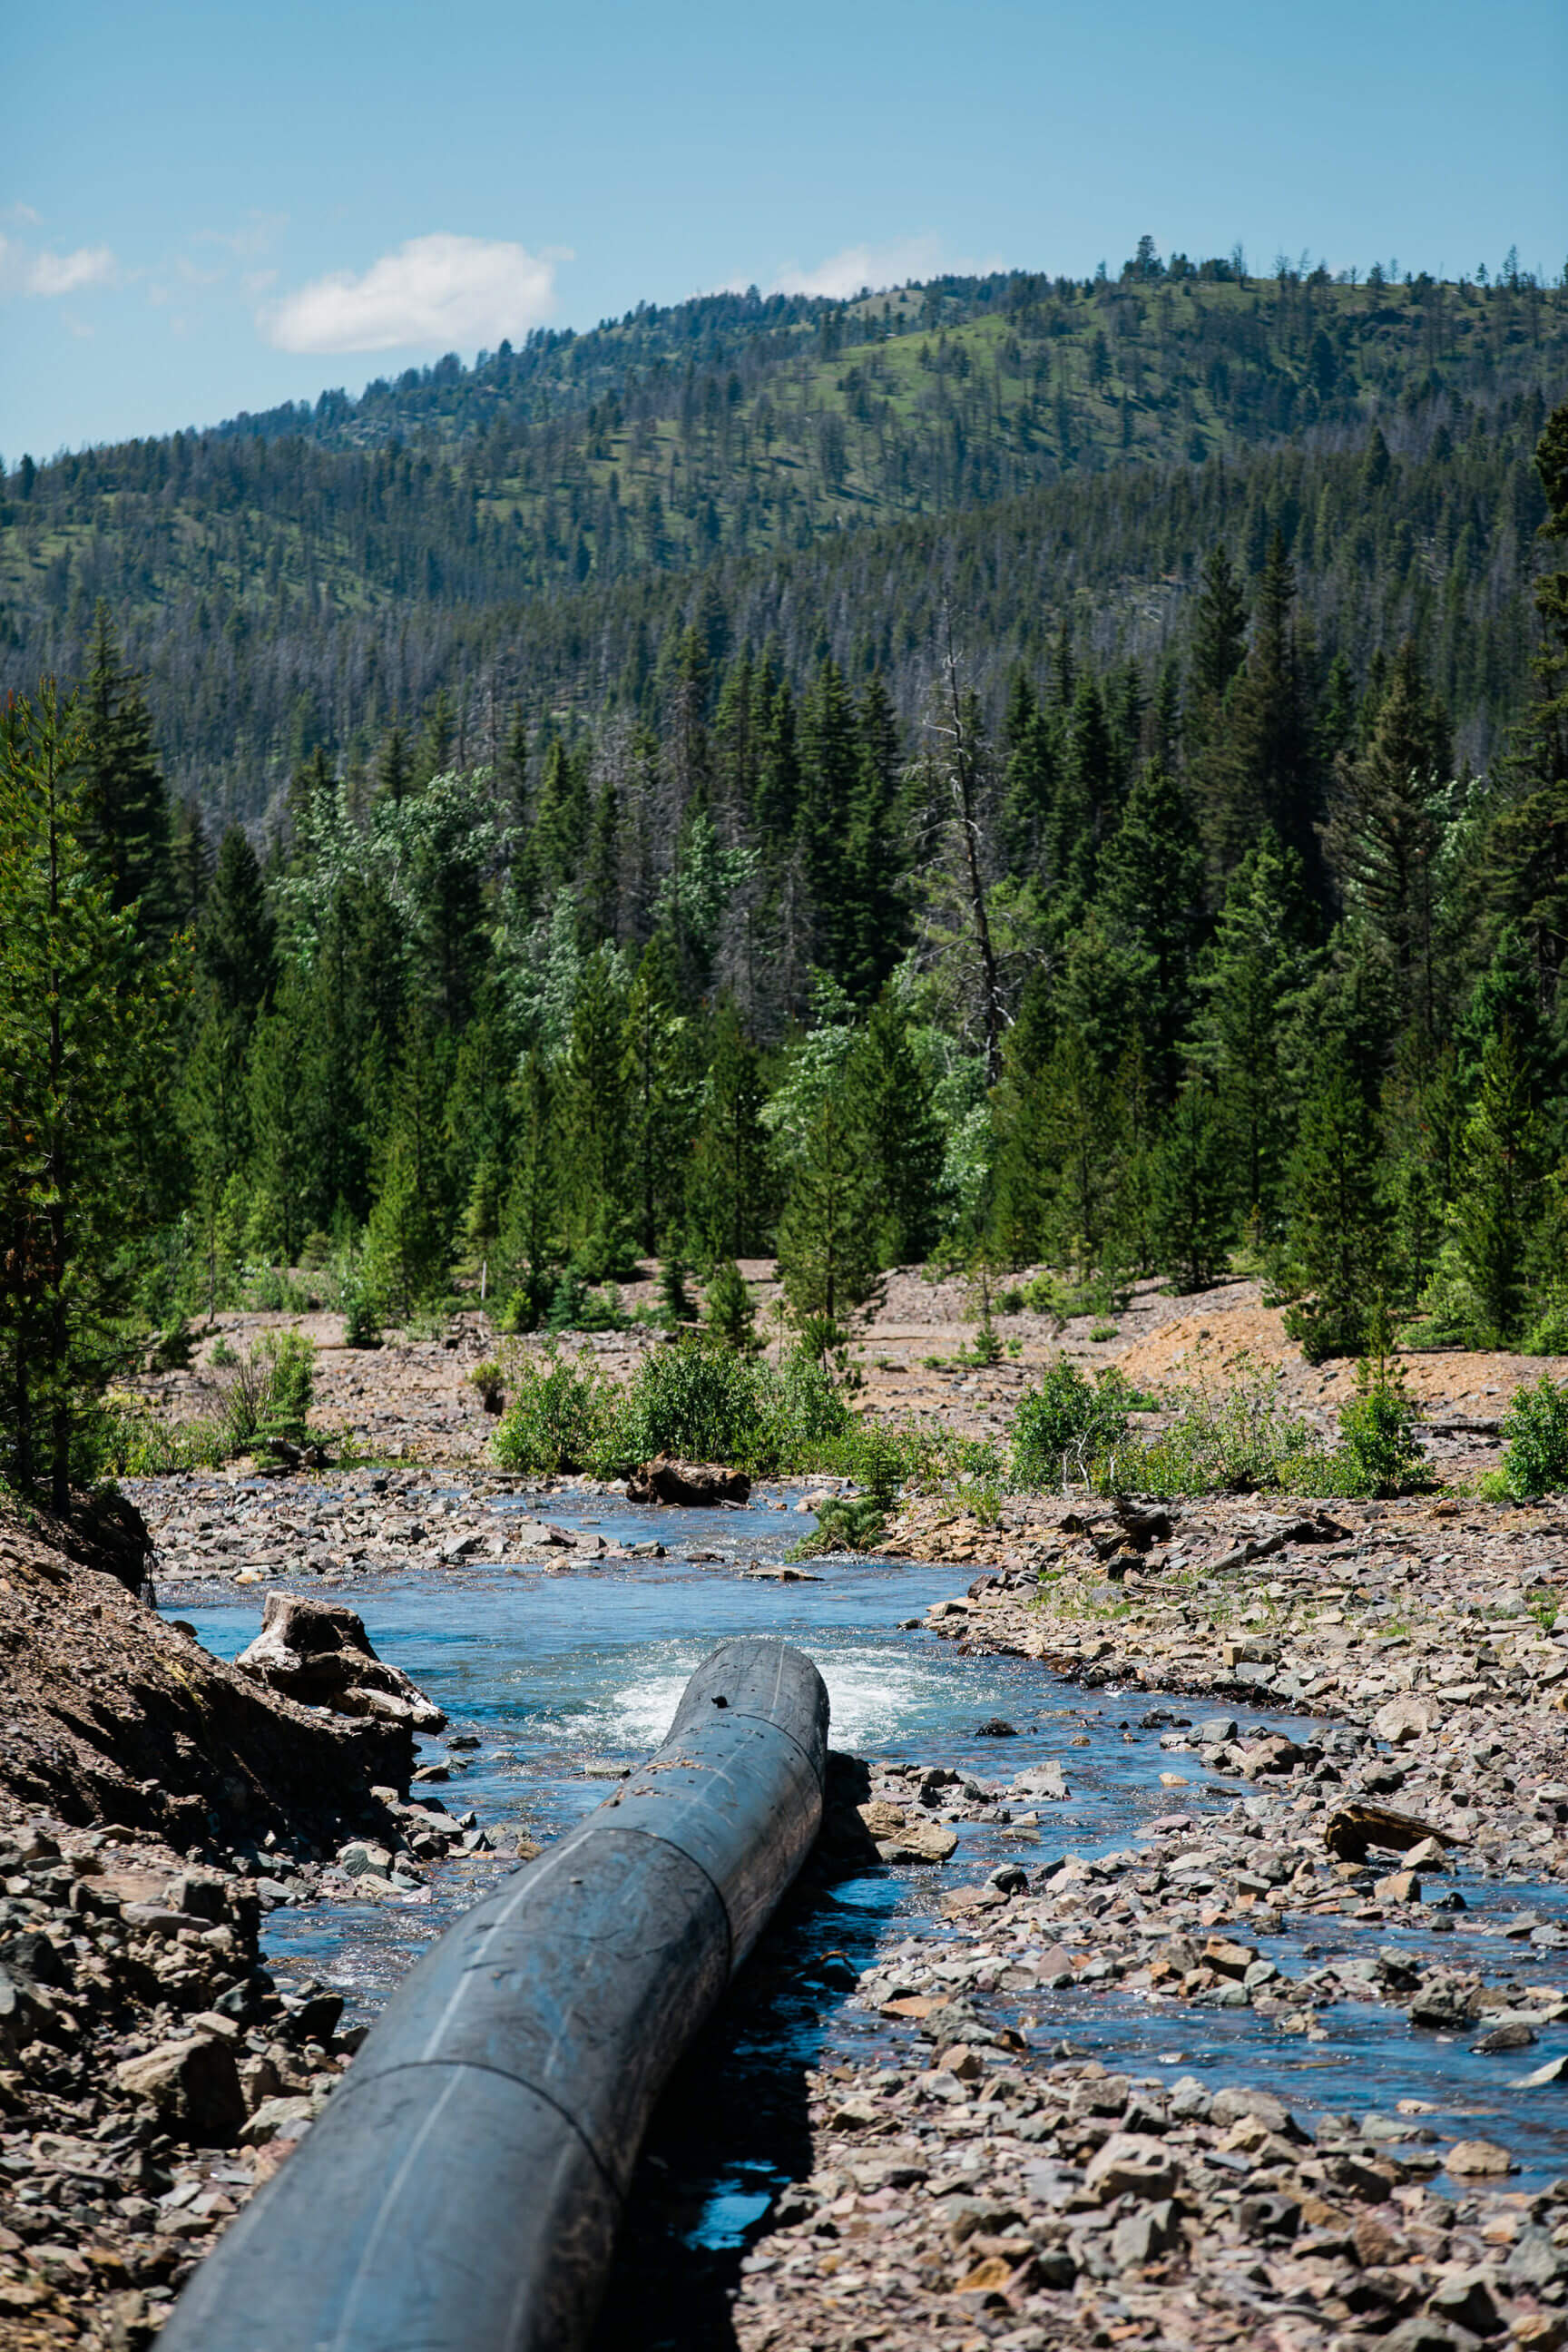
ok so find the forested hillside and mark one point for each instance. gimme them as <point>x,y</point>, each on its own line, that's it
<point>535,532</point>
<point>1159,869</point>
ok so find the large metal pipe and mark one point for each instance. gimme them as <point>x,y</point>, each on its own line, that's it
<point>461,2191</point>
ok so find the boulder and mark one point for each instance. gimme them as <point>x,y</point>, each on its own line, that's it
<point>318,1651</point>
<point>194,2087</point>
<point>1131,2165</point>
<point>1403,1719</point>
<point>694,1485</point>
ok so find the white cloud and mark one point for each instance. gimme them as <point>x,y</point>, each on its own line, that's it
<point>435,292</point>
<point>22,272</point>
<point>22,213</point>
<point>845,274</point>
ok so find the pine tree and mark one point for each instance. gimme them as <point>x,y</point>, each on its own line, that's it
<point>828,1258</point>
<point>1337,1218</point>
<point>1499,1198</point>
<point>1383,835</point>
<point>529,1243</point>
<point>1249,977</point>
<point>1193,1209</point>
<point>874,916</point>
<point>1083,1144</point>
<point>591,1109</point>
<point>656,1098</point>
<point>234,941</point>
<point>560,817</point>
<point>730,1188</point>
<point>85,1025</point>
<point>128,806</point>
<point>1081,810</point>
<point>830,775</point>
<point>1152,902</point>
<point>408,1235</point>
<point>888,1104</point>
<point>1265,770</point>
<point>394,768</point>
<point>777,807</point>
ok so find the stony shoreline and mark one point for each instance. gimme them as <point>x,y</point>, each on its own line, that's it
<point>980,2187</point>
<point>980,2190</point>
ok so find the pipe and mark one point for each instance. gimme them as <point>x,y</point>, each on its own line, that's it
<point>461,2191</point>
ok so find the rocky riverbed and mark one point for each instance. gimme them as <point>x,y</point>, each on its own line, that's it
<point>1382,1687</point>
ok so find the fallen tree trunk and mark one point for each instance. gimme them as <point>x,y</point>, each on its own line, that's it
<point>461,2192</point>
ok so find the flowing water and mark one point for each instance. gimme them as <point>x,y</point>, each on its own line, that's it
<point>564,1675</point>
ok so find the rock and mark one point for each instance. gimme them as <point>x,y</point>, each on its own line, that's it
<point>995,1726</point>
<point>1554,2071</point>
<point>1229,1960</point>
<point>1515,2036</point>
<point>1403,1721</point>
<point>1130,2165</point>
<point>1215,1731</point>
<point>920,1841</point>
<point>666,1479</point>
<point>1352,1828</point>
<point>1468,2301</point>
<point>883,1821</point>
<point>319,1652</point>
<point>1240,2099</point>
<point>538,1535</point>
<point>1140,2237</point>
<point>1478,2160</point>
<point>194,2087</point>
<point>273,2119</point>
<point>1418,2335</point>
<point>1045,1782</point>
<point>1401,1887</point>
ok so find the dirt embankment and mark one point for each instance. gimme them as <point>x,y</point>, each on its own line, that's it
<point>154,1805</point>
<point>115,1717</point>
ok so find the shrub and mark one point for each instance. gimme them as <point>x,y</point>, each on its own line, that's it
<point>490,1378</point>
<point>1378,1454</point>
<point>267,1392</point>
<point>844,1523</point>
<point>1067,1422</point>
<point>698,1399</point>
<point>1239,1441</point>
<point>120,1438</point>
<point>558,1419</point>
<point>1536,1428</point>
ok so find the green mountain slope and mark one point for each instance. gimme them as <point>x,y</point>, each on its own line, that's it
<point>530,526</point>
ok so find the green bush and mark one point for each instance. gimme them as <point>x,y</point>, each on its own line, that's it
<point>559,1417</point>
<point>1067,1422</point>
<point>697,1400</point>
<point>1536,1428</point>
<point>844,1523</point>
<point>1378,1454</point>
<point>1239,1441</point>
<point>268,1390</point>
<point>120,1438</point>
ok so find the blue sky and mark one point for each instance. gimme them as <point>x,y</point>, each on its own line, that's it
<point>206,208</point>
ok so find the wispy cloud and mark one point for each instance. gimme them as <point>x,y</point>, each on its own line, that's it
<point>434,293</point>
<point>258,236</point>
<point>858,266</point>
<point>23,272</point>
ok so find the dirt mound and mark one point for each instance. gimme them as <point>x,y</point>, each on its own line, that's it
<point>111,1716</point>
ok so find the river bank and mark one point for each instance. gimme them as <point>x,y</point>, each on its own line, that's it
<point>1100,1898</point>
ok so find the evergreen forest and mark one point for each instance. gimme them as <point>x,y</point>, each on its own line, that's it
<point>1064,779</point>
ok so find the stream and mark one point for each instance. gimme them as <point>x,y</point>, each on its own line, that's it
<point>565,1675</point>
